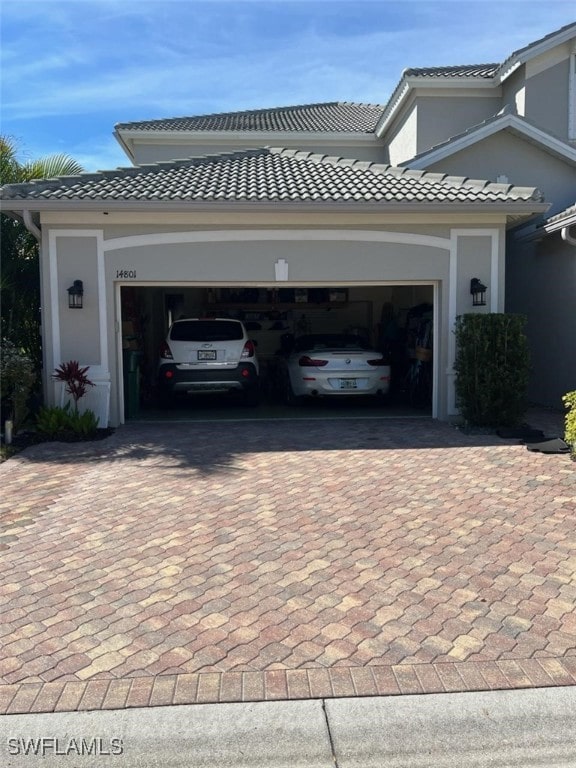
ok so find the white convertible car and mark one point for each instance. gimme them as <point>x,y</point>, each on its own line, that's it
<point>321,365</point>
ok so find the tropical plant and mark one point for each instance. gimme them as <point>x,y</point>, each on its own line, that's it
<point>492,367</point>
<point>75,379</point>
<point>19,266</point>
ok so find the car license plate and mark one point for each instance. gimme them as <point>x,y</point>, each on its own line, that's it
<point>206,354</point>
<point>348,384</point>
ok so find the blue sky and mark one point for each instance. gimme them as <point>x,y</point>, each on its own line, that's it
<point>71,69</point>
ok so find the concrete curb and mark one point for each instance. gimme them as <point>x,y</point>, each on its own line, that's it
<point>502,728</point>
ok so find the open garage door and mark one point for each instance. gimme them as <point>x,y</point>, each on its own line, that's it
<point>396,321</point>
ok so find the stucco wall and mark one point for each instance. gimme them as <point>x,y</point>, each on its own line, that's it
<point>522,162</point>
<point>541,283</point>
<point>547,99</point>
<point>441,117</point>
<point>104,261</point>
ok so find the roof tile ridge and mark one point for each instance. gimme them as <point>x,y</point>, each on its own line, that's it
<point>54,182</point>
<point>371,104</point>
<point>451,67</point>
<point>192,160</point>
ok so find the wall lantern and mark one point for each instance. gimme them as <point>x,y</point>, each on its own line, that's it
<point>478,291</point>
<point>75,294</point>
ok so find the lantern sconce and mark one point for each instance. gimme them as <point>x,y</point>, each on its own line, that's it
<point>478,292</point>
<point>75,294</point>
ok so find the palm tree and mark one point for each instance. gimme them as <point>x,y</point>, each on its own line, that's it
<point>19,270</point>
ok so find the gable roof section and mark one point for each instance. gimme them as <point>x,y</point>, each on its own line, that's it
<point>469,75</point>
<point>329,117</point>
<point>500,122</point>
<point>268,175</point>
<point>536,48</point>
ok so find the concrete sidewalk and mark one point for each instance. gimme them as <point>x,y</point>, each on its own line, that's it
<point>515,729</point>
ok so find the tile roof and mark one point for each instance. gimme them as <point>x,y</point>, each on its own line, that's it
<point>567,213</point>
<point>268,175</point>
<point>465,70</point>
<point>329,117</point>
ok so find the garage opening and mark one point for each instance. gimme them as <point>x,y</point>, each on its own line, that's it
<point>393,321</point>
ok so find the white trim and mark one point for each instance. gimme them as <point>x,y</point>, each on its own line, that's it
<point>118,347</point>
<point>494,235</point>
<point>436,345</point>
<point>452,306</point>
<point>545,140</point>
<point>494,273</point>
<point>54,304</point>
<point>246,235</point>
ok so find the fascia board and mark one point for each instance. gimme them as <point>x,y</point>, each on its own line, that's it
<point>264,138</point>
<point>525,208</point>
<point>126,145</point>
<point>543,230</point>
<point>517,60</point>
<point>436,86</point>
<point>512,122</point>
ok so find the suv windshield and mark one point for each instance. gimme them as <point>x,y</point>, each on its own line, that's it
<point>207,330</point>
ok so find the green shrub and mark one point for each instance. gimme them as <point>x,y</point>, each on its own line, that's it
<point>17,379</point>
<point>53,421</point>
<point>65,423</point>
<point>492,366</point>
<point>569,400</point>
<point>85,424</point>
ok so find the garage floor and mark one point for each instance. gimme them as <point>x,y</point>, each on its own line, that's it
<point>214,408</point>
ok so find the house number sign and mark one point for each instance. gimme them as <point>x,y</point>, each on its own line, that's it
<point>125,274</point>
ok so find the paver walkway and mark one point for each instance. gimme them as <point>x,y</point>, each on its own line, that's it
<point>178,563</point>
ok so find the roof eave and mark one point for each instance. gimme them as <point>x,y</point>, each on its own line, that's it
<point>127,136</point>
<point>513,209</point>
<point>519,58</point>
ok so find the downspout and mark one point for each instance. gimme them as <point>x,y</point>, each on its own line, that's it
<point>566,236</point>
<point>36,232</point>
<point>30,226</point>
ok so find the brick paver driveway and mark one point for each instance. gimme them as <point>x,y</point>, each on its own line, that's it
<point>242,561</point>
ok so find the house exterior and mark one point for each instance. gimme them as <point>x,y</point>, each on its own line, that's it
<point>512,121</point>
<point>335,213</point>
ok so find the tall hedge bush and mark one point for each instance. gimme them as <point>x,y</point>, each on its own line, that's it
<point>492,367</point>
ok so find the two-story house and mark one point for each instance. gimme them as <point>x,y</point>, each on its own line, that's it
<point>328,216</point>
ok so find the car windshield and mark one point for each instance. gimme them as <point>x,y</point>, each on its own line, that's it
<point>206,330</point>
<point>330,341</point>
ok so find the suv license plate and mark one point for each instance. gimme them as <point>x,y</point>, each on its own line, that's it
<point>206,354</point>
<point>348,384</point>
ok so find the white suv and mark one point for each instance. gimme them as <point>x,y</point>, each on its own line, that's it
<point>208,355</point>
